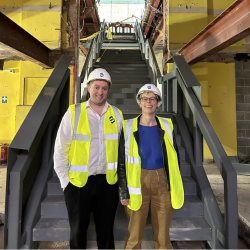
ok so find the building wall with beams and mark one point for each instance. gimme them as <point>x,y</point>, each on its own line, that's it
<point>42,19</point>
<point>185,20</point>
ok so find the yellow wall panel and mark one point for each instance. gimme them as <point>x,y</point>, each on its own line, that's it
<point>200,3</point>
<point>30,70</point>
<point>218,89</point>
<point>45,26</point>
<point>21,113</point>
<point>9,86</point>
<point>42,2</point>
<point>32,88</point>
<point>219,4</point>
<point>184,26</point>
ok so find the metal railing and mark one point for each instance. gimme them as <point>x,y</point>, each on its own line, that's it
<point>92,56</point>
<point>125,27</point>
<point>148,54</point>
<point>30,159</point>
<point>183,96</point>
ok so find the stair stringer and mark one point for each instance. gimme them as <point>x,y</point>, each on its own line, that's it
<point>205,193</point>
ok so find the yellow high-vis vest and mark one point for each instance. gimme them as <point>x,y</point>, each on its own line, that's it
<point>80,145</point>
<point>133,164</point>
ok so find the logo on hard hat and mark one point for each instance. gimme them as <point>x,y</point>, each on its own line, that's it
<point>149,87</point>
<point>101,74</point>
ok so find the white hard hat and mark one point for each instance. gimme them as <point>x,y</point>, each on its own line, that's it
<point>99,74</point>
<point>152,88</point>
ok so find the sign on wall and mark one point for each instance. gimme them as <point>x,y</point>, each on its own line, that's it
<point>4,99</point>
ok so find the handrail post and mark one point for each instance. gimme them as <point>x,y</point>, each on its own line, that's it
<point>198,144</point>
<point>230,206</point>
<point>177,97</point>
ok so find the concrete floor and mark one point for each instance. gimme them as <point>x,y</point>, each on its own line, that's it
<point>217,186</point>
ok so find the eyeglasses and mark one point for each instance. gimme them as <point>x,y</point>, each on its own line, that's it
<point>151,99</point>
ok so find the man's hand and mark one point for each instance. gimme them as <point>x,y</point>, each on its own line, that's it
<point>125,202</point>
<point>63,189</point>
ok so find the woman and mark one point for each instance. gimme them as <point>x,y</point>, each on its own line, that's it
<point>148,172</point>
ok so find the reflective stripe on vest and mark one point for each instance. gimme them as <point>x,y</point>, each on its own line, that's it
<point>77,137</point>
<point>131,159</point>
<point>119,120</point>
<point>135,191</point>
<point>167,127</point>
<point>78,168</point>
<point>112,166</point>
<point>128,135</point>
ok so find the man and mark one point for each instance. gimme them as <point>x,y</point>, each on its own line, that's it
<point>85,160</point>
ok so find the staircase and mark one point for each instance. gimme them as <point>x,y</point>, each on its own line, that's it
<point>35,207</point>
<point>128,72</point>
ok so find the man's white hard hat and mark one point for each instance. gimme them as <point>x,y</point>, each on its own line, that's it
<point>149,88</point>
<point>99,74</point>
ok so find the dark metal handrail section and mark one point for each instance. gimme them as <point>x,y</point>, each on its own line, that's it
<point>93,54</point>
<point>147,52</point>
<point>30,159</point>
<point>180,86</point>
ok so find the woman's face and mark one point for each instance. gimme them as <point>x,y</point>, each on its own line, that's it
<point>148,102</point>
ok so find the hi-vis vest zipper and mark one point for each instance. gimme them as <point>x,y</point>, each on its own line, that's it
<point>80,145</point>
<point>133,164</point>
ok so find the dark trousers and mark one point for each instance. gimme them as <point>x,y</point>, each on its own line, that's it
<point>96,196</point>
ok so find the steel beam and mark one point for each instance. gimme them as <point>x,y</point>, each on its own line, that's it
<point>21,43</point>
<point>159,27</point>
<point>228,28</point>
<point>157,41</point>
<point>155,4</point>
<point>84,50</point>
<point>93,13</point>
<point>165,32</point>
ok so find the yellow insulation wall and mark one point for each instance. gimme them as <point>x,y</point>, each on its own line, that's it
<point>186,19</point>
<point>42,19</point>
<point>218,101</point>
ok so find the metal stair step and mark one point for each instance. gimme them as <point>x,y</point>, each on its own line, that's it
<point>129,107</point>
<point>54,206</point>
<point>122,60</point>
<point>121,52</point>
<point>189,185</point>
<point>181,229</point>
<point>185,168</point>
<point>181,153</point>
<point>124,66</point>
<point>178,139</point>
<point>123,56</point>
<point>122,101</point>
<point>130,90</point>
<point>120,41</point>
<point>120,45</point>
<point>132,80</point>
<point>127,71</point>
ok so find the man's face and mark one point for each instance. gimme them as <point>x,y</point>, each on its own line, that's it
<point>98,91</point>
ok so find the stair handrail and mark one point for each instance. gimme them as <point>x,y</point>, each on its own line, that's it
<point>30,158</point>
<point>148,53</point>
<point>190,86</point>
<point>92,56</point>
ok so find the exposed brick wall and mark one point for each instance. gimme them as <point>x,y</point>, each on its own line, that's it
<point>243,108</point>
<point>55,55</point>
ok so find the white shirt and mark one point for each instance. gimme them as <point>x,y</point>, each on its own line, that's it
<point>97,154</point>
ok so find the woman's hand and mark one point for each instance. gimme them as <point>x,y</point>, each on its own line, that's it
<point>125,202</point>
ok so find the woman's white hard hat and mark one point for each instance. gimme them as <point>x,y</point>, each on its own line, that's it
<point>99,74</point>
<point>149,88</point>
